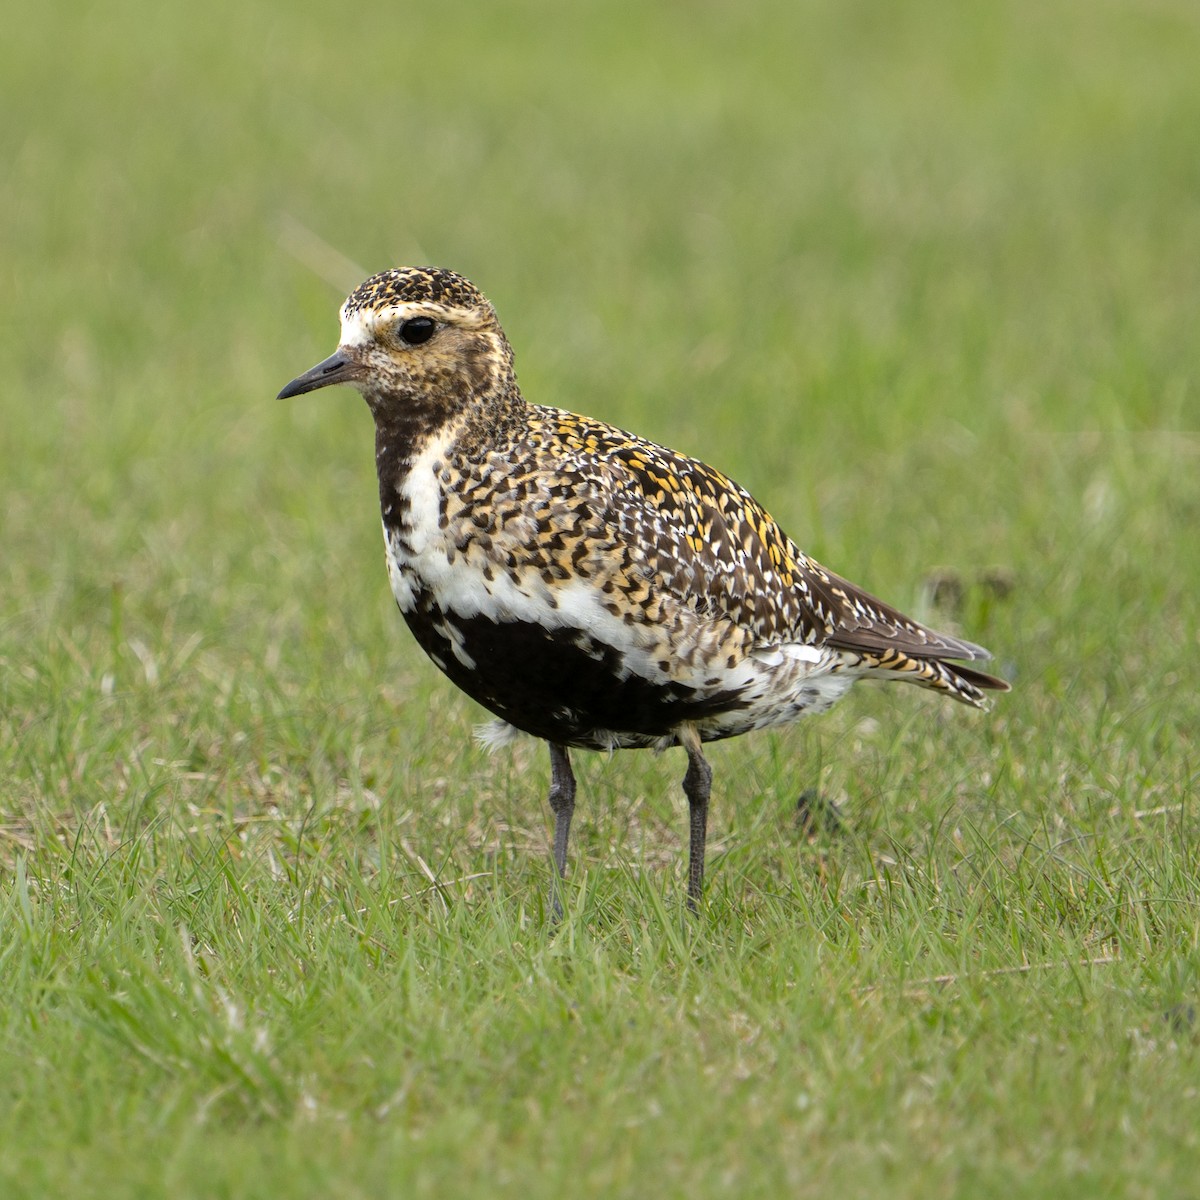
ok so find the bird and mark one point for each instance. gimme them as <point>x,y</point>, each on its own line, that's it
<point>586,586</point>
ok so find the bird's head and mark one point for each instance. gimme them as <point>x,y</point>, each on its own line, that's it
<point>420,343</point>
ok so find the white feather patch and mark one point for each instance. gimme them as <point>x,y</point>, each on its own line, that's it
<point>494,735</point>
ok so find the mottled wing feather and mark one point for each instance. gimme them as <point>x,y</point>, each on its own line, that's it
<point>713,545</point>
<point>718,548</point>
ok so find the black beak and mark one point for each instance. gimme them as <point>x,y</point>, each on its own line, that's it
<point>339,367</point>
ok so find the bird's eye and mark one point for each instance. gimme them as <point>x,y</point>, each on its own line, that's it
<point>416,330</point>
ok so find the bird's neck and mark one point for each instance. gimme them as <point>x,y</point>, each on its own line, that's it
<point>405,431</point>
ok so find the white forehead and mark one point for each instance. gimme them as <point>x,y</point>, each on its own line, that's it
<point>361,326</point>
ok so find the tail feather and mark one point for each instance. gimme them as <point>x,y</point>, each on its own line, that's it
<point>978,679</point>
<point>964,684</point>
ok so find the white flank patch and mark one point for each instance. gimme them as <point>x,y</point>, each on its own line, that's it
<point>494,735</point>
<point>796,652</point>
<point>423,492</point>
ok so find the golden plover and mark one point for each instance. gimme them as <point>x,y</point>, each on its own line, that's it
<point>585,585</point>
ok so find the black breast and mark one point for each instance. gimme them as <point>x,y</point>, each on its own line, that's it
<point>559,684</point>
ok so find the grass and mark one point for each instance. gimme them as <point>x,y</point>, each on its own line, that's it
<point>925,278</point>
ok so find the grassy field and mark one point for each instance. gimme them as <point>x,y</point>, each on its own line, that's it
<point>925,277</point>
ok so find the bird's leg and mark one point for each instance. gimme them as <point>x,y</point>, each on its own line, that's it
<point>562,804</point>
<point>697,784</point>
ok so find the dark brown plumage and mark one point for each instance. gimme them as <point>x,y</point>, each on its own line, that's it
<point>587,586</point>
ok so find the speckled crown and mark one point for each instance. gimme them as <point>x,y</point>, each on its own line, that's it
<point>415,285</point>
